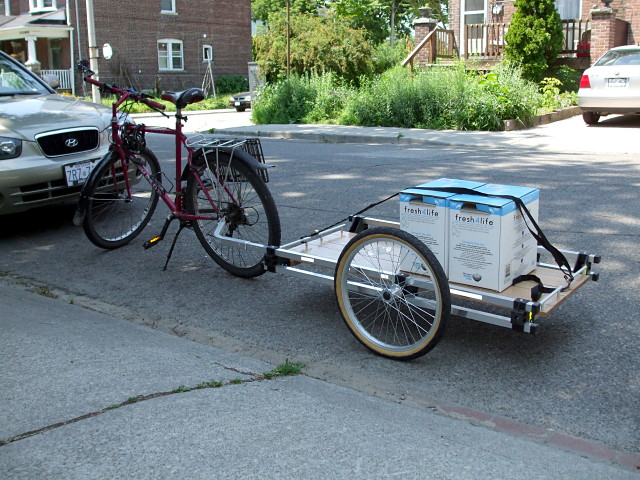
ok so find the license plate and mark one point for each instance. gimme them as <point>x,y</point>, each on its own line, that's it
<point>616,82</point>
<point>77,173</point>
<point>237,104</point>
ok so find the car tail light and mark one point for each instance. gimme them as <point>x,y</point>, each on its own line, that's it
<point>584,82</point>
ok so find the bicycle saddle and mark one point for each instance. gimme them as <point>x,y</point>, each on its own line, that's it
<point>184,98</point>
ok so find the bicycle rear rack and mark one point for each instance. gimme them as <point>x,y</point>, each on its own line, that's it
<point>250,146</point>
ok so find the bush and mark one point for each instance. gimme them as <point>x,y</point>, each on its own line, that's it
<point>435,98</point>
<point>446,98</point>
<point>309,99</point>
<point>231,84</point>
<point>386,57</point>
<point>535,37</point>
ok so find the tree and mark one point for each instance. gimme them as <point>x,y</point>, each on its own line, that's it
<point>318,45</point>
<point>382,19</point>
<point>535,38</point>
<point>264,10</point>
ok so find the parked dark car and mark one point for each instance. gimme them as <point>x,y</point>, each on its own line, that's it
<point>48,142</point>
<point>241,101</point>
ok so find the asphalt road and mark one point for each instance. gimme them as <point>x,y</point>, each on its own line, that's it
<point>579,375</point>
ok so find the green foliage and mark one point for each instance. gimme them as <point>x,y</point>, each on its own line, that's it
<point>308,99</point>
<point>552,97</point>
<point>375,16</point>
<point>436,98</point>
<point>266,10</point>
<point>285,369</point>
<point>569,77</point>
<point>209,103</point>
<point>317,45</point>
<point>385,56</point>
<point>534,39</point>
<point>447,98</point>
<point>231,84</point>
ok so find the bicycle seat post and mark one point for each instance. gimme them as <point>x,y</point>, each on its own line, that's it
<point>178,139</point>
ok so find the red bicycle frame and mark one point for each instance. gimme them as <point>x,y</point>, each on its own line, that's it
<point>117,145</point>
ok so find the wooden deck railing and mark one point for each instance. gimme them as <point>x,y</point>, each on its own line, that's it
<point>439,43</point>
<point>487,40</point>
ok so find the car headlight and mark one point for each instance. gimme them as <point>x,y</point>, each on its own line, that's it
<point>10,148</point>
<point>248,98</point>
<point>231,99</point>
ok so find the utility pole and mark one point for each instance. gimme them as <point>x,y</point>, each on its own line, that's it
<point>93,49</point>
<point>288,39</point>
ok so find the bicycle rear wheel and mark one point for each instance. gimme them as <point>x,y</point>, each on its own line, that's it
<point>242,206</point>
<point>392,293</point>
<point>115,216</point>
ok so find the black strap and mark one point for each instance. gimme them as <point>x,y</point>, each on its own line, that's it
<point>353,215</point>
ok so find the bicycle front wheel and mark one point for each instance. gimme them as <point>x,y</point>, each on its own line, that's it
<point>115,214</point>
<point>236,201</point>
<point>392,293</point>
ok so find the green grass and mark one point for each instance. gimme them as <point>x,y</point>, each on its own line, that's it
<point>285,369</point>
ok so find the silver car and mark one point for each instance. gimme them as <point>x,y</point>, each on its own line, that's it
<point>48,142</point>
<point>611,85</point>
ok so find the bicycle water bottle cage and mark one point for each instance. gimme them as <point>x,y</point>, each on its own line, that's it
<point>133,138</point>
<point>184,98</point>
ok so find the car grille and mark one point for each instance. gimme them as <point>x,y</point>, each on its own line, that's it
<point>65,142</point>
<point>38,192</point>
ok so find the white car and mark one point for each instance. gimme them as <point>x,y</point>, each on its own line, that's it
<point>48,142</point>
<point>611,85</point>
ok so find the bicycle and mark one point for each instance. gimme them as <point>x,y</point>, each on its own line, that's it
<point>220,193</point>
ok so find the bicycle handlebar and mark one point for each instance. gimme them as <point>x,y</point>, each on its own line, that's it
<point>137,96</point>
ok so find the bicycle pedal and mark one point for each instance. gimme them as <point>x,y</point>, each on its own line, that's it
<point>151,243</point>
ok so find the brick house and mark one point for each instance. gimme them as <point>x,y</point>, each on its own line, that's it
<point>478,28</point>
<point>156,44</point>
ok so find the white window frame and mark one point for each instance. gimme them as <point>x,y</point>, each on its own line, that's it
<point>173,8</point>
<point>207,53</point>
<point>463,16</point>
<point>39,6</point>
<point>170,42</point>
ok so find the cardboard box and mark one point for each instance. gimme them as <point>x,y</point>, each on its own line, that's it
<point>489,242</point>
<point>425,214</point>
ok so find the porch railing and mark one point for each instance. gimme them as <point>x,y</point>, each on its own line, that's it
<point>63,75</point>
<point>487,40</point>
<point>440,43</point>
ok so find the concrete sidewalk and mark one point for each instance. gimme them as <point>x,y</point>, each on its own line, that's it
<point>613,134</point>
<point>87,395</point>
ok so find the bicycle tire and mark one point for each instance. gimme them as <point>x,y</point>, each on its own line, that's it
<point>251,215</point>
<point>113,218</point>
<point>381,308</point>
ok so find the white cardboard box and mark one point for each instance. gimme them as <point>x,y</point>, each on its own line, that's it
<point>489,242</point>
<point>425,214</point>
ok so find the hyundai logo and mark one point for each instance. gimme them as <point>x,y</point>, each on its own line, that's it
<point>71,142</point>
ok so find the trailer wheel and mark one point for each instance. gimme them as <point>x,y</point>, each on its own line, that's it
<point>392,293</point>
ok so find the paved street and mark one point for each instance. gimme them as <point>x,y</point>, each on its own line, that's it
<point>578,377</point>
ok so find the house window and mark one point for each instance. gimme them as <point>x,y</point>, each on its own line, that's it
<point>167,6</point>
<point>473,38</point>
<point>207,53</point>
<point>569,9</point>
<point>42,5</point>
<point>170,55</point>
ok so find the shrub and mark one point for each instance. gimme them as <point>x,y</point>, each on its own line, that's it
<point>434,98</point>
<point>231,84</point>
<point>535,38</point>
<point>309,99</point>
